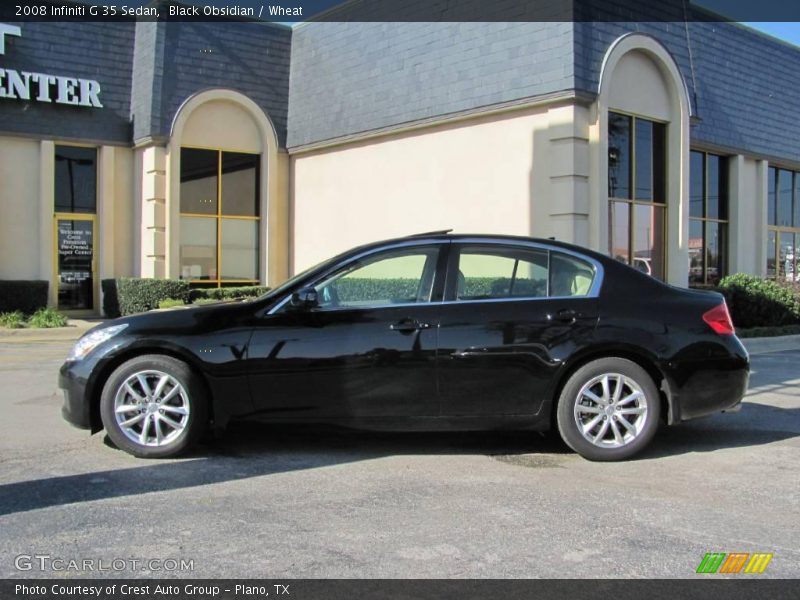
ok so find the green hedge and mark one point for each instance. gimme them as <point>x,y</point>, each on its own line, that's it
<point>399,289</point>
<point>756,302</point>
<point>22,295</point>
<point>138,295</point>
<point>228,293</point>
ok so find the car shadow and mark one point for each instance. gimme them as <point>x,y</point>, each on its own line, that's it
<point>249,450</point>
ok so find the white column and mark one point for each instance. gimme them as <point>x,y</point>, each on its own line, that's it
<point>47,174</point>
<point>153,203</point>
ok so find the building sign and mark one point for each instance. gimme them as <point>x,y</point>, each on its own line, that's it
<point>42,87</point>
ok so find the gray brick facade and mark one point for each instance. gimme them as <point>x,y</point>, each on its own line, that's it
<point>325,80</point>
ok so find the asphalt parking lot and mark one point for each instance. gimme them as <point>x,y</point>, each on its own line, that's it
<point>266,502</point>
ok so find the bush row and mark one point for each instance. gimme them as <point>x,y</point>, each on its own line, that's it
<point>129,295</point>
<point>24,296</point>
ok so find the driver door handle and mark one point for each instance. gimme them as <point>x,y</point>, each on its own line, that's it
<point>408,325</point>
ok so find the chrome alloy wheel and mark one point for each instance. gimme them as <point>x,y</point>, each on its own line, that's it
<point>610,410</point>
<point>151,408</point>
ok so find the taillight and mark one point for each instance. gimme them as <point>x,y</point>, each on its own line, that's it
<point>719,319</point>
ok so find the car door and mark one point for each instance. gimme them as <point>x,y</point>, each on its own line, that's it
<point>368,349</point>
<point>511,315</point>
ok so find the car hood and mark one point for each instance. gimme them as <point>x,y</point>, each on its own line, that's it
<point>184,320</point>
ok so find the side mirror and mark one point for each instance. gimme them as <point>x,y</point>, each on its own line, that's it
<point>305,299</point>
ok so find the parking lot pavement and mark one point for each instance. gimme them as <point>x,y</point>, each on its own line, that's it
<point>269,502</point>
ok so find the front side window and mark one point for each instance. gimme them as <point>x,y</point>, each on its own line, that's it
<point>637,192</point>
<point>783,224</point>
<point>397,277</point>
<point>708,218</point>
<point>492,273</point>
<point>220,218</point>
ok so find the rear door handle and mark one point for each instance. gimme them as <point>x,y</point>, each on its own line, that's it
<point>408,325</point>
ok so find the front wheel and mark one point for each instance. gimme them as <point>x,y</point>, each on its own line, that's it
<point>153,406</point>
<point>608,410</point>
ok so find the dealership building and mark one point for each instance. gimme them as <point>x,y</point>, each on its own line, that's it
<point>236,153</point>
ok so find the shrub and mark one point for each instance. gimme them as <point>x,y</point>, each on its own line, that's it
<point>110,300</point>
<point>227,293</point>
<point>756,302</point>
<point>47,318</point>
<point>139,295</point>
<point>12,320</point>
<point>171,303</point>
<point>24,296</point>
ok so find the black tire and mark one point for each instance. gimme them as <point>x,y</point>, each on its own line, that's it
<point>635,383</point>
<point>192,399</point>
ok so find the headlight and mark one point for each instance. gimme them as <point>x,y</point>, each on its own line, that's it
<point>89,342</point>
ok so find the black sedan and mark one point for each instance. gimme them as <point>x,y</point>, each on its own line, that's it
<point>432,331</point>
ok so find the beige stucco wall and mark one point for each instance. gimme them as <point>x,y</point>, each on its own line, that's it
<point>485,175</point>
<point>19,199</point>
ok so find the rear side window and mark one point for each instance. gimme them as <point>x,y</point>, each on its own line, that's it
<point>492,272</point>
<point>569,276</point>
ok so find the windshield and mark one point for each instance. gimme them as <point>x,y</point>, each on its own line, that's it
<point>292,281</point>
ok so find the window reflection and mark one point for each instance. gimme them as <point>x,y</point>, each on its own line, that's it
<point>619,149</point>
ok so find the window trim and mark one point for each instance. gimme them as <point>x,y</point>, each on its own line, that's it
<point>218,217</point>
<point>704,220</point>
<point>632,201</point>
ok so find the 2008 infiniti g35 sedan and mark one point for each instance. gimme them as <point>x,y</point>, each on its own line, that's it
<point>428,331</point>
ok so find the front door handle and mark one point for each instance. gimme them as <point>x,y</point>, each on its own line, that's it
<point>409,325</point>
<point>567,315</point>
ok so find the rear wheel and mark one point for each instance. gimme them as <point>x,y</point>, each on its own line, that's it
<point>153,406</point>
<point>608,410</point>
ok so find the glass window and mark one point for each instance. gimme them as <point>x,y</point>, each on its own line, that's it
<point>198,248</point>
<point>619,154</point>
<point>569,276</point>
<point>636,221</point>
<point>708,214</point>
<point>239,256</point>
<point>219,217</point>
<point>240,184</point>
<point>75,179</point>
<point>199,172</point>
<point>649,239</point>
<point>490,273</point>
<point>697,185</point>
<point>783,223</point>
<point>400,277</point>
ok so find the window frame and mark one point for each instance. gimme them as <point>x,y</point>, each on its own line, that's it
<point>218,218</point>
<point>705,219</point>
<point>632,202</point>
<point>773,173</point>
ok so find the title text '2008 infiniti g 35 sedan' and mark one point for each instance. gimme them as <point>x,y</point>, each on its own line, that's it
<point>427,331</point>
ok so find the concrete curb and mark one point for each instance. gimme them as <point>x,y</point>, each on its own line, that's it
<point>74,329</point>
<point>772,344</point>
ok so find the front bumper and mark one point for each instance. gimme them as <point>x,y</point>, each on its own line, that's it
<point>76,409</point>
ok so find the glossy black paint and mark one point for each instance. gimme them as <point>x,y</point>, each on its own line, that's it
<point>448,363</point>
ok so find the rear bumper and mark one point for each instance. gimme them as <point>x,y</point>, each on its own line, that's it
<point>711,386</point>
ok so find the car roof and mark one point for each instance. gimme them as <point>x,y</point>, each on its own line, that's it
<point>445,234</point>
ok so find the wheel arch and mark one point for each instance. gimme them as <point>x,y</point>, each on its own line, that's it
<point>96,389</point>
<point>640,357</point>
